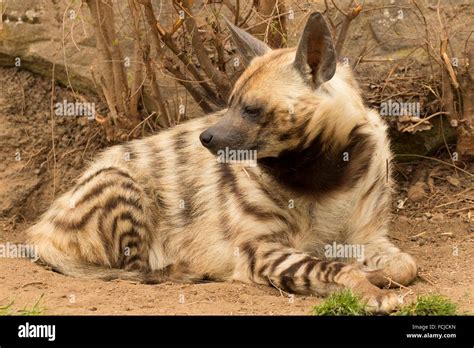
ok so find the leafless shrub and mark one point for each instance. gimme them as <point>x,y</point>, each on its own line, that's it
<point>193,50</point>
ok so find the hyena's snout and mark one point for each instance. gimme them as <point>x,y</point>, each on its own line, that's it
<point>223,135</point>
<point>215,140</point>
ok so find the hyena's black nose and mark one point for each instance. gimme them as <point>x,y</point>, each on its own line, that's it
<point>206,138</point>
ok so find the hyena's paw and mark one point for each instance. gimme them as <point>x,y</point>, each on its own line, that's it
<point>381,302</point>
<point>376,300</point>
<point>396,269</point>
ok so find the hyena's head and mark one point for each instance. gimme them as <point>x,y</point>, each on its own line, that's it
<point>272,102</point>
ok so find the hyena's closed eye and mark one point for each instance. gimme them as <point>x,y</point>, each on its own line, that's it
<point>252,112</point>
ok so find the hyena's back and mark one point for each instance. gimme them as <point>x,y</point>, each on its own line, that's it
<point>136,209</point>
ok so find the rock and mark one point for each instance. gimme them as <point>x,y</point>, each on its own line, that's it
<point>453,181</point>
<point>34,42</point>
<point>391,25</point>
<point>417,192</point>
<point>422,143</point>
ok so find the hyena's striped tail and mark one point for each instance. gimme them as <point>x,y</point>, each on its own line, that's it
<point>87,271</point>
<point>50,252</point>
<point>56,250</point>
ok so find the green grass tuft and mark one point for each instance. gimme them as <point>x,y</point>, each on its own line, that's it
<point>36,309</point>
<point>6,310</point>
<point>346,303</point>
<point>429,305</point>
<point>341,303</point>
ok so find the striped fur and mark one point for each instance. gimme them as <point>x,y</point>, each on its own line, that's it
<point>162,208</point>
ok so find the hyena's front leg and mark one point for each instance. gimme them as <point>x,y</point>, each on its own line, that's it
<point>297,272</point>
<point>386,265</point>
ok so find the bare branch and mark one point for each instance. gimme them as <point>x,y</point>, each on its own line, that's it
<point>159,36</point>
<point>349,16</point>
<point>217,77</point>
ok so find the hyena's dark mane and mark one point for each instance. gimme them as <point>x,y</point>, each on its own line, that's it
<point>322,167</point>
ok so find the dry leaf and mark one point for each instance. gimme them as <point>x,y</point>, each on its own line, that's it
<point>412,124</point>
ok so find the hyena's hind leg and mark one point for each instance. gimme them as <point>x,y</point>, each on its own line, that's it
<point>102,230</point>
<point>99,225</point>
<point>122,222</point>
<point>387,265</point>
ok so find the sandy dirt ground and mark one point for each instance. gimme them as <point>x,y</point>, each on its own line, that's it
<point>436,224</point>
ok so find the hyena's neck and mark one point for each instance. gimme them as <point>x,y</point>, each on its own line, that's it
<point>321,168</point>
<point>336,149</point>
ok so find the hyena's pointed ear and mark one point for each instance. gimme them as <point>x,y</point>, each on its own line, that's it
<point>316,56</point>
<point>248,46</point>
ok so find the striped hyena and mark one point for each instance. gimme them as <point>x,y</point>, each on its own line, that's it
<point>162,208</point>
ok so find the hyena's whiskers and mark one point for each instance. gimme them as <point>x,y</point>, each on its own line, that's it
<point>302,167</point>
